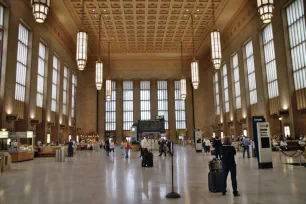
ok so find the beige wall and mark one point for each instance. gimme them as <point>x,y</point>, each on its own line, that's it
<point>246,26</point>
<point>54,36</point>
<point>200,109</point>
<point>135,69</point>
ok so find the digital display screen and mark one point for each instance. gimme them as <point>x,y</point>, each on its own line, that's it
<point>265,142</point>
<point>151,126</point>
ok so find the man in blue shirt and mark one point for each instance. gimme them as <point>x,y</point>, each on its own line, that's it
<point>246,143</point>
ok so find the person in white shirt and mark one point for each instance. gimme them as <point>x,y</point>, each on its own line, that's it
<point>301,144</point>
<point>283,145</point>
<point>144,143</point>
<point>207,145</point>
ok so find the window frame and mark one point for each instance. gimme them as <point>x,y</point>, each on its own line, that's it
<point>110,110</point>
<point>180,107</point>
<point>128,112</point>
<point>236,82</point>
<point>163,101</point>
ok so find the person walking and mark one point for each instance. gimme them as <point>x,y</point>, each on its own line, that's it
<point>112,147</point>
<point>217,145</point>
<point>107,149</point>
<point>169,145</point>
<point>229,165</point>
<point>246,146</point>
<point>122,148</point>
<point>162,147</point>
<point>127,147</point>
<point>70,148</point>
<point>207,145</point>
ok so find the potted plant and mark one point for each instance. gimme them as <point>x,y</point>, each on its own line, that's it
<point>135,146</point>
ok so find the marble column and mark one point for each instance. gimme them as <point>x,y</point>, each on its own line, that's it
<point>189,109</point>
<point>153,95</point>
<point>119,110</point>
<point>136,100</point>
<point>171,110</point>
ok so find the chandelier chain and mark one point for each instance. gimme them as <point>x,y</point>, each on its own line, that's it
<point>83,12</point>
<point>99,37</point>
<point>182,58</point>
<point>192,34</point>
<point>108,59</point>
<point>213,12</point>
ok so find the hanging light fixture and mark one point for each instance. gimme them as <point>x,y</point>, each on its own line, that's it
<point>194,64</point>
<point>215,40</point>
<point>108,82</point>
<point>265,9</point>
<point>99,63</point>
<point>82,41</point>
<point>183,79</point>
<point>40,9</point>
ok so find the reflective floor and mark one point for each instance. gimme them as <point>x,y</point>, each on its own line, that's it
<point>92,177</point>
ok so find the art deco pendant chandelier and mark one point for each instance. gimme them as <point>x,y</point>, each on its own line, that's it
<point>216,55</point>
<point>265,9</point>
<point>82,43</point>
<point>108,82</point>
<point>40,9</point>
<point>99,63</point>
<point>183,79</point>
<point>194,64</point>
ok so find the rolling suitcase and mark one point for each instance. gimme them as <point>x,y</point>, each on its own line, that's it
<point>215,181</point>
<point>150,159</point>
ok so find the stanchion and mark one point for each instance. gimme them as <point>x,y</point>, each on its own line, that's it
<point>173,194</point>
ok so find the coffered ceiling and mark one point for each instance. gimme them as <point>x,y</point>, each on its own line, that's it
<point>145,26</point>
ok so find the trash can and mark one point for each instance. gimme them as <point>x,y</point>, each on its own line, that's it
<point>252,150</point>
<point>60,155</point>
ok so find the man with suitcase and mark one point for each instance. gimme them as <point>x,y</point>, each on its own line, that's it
<point>229,165</point>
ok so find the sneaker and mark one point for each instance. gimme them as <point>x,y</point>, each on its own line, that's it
<point>224,193</point>
<point>236,194</point>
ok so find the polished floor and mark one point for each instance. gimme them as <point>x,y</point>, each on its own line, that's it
<point>92,177</point>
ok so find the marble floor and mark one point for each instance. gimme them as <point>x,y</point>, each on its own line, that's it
<point>92,177</point>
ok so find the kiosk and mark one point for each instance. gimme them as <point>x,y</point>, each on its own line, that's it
<point>133,133</point>
<point>21,147</point>
<point>264,146</point>
<point>198,140</point>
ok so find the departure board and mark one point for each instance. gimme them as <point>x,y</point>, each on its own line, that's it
<point>151,126</point>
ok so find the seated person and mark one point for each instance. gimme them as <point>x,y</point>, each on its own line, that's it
<point>274,142</point>
<point>301,144</point>
<point>283,145</point>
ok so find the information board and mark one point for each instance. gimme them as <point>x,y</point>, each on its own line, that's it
<point>151,126</point>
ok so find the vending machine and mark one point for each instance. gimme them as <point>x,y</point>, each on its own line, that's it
<point>264,146</point>
<point>198,140</point>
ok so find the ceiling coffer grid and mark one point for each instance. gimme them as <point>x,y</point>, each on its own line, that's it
<point>146,26</point>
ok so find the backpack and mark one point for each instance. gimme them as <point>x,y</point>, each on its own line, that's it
<point>126,145</point>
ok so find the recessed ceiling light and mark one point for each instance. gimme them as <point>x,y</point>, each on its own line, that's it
<point>198,10</point>
<point>187,10</point>
<point>93,10</point>
<point>104,10</point>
